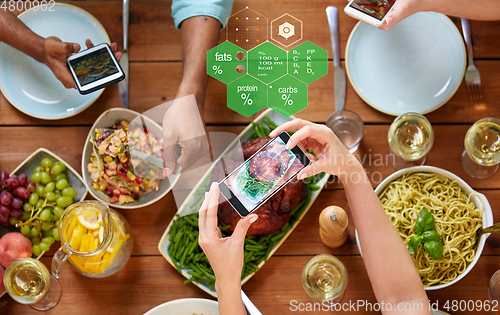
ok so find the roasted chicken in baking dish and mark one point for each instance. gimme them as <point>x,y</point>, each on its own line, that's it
<point>274,213</point>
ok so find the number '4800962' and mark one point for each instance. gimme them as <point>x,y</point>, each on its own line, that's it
<point>12,5</point>
<point>471,306</point>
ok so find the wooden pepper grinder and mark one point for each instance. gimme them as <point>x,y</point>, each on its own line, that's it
<point>333,222</point>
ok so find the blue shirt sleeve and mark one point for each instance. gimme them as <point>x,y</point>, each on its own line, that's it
<point>218,9</point>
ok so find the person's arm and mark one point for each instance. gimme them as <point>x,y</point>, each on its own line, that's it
<point>390,268</point>
<point>51,50</point>
<point>224,254</point>
<point>469,9</point>
<point>199,34</point>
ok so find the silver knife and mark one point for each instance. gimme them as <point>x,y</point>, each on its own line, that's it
<point>148,158</point>
<point>123,85</point>
<point>339,74</point>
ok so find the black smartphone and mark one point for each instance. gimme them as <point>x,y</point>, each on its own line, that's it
<point>262,175</point>
<point>94,68</point>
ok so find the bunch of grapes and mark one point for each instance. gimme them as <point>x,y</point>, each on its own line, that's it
<point>43,199</point>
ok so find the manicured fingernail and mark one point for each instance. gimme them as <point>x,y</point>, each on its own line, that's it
<point>288,145</point>
<point>272,133</point>
<point>302,176</point>
<point>388,20</point>
<point>214,184</point>
<point>254,218</point>
<point>206,194</point>
<point>166,172</point>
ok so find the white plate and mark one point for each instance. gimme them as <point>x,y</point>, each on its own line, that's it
<point>107,120</point>
<point>186,307</point>
<point>30,86</point>
<point>478,202</point>
<point>185,207</point>
<point>416,66</point>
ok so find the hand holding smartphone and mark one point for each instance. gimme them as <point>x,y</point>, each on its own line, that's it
<point>373,12</point>
<point>262,175</point>
<point>94,68</point>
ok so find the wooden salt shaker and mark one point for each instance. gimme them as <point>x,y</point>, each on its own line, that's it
<point>333,222</point>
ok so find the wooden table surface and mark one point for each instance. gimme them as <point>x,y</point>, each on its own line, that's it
<point>155,72</point>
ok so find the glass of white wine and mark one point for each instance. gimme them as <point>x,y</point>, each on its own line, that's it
<point>324,278</point>
<point>410,139</point>
<point>482,148</point>
<point>28,281</point>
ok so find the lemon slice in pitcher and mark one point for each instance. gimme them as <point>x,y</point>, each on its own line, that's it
<point>89,220</point>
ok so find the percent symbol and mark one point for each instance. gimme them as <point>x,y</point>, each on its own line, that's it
<point>217,69</point>
<point>287,99</point>
<point>247,99</point>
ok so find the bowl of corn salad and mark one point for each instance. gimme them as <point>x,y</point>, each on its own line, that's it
<point>112,173</point>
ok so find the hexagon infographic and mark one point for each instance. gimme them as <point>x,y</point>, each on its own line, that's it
<point>287,95</point>
<point>260,74</point>
<point>267,62</point>
<point>226,62</point>
<point>247,95</point>
<point>307,62</point>
<point>286,30</point>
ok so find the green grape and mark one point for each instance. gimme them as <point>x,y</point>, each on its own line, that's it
<point>47,232</point>
<point>45,178</point>
<point>64,201</point>
<point>36,177</point>
<point>50,187</point>
<point>46,215</point>
<point>55,233</point>
<point>38,169</point>
<point>37,250</point>
<point>71,192</point>
<point>12,221</point>
<point>25,216</point>
<point>61,176</point>
<point>34,240</point>
<point>46,162</point>
<point>56,170</point>
<point>34,231</point>
<point>63,166</point>
<point>40,203</point>
<point>49,240</point>
<point>50,196</point>
<point>27,206</point>
<point>61,184</point>
<point>40,190</point>
<point>58,195</point>
<point>44,246</point>
<point>25,230</point>
<point>33,198</point>
<point>58,211</point>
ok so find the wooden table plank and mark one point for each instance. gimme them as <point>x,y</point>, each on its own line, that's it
<point>153,36</point>
<point>446,152</point>
<point>136,289</point>
<point>152,84</point>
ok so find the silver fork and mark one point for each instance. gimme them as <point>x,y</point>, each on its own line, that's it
<point>472,76</point>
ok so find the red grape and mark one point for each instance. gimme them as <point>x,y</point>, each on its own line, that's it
<point>3,177</point>
<point>16,213</point>
<point>23,179</point>
<point>12,182</point>
<point>16,203</point>
<point>5,198</point>
<point>5,210</point>
<point>22,192</point>
<point>4,220</point>
<point>31,185</point>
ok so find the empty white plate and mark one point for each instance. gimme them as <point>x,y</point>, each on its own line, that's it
<point>416,66</point>
<point>29,85</point>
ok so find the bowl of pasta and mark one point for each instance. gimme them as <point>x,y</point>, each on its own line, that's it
<point>458,211</point>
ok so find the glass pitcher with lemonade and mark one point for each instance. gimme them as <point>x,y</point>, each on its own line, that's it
<point>96,240</point>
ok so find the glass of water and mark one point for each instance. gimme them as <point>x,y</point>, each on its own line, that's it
<point>348,127</point>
